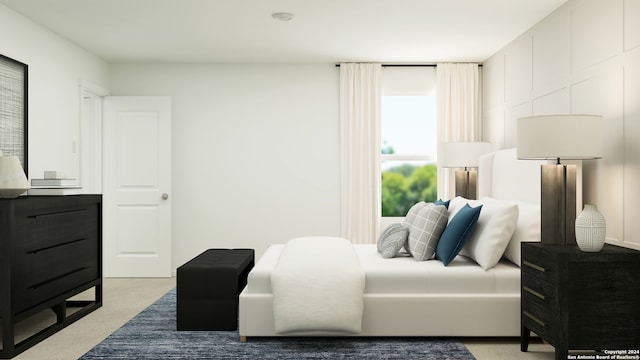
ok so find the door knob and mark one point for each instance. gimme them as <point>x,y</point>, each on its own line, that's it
<point>165,196</point>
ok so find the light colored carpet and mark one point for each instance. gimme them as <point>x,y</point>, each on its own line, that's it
<point>126,297</point>
<point>123,298</point>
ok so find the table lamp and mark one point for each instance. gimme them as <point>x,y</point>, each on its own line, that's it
<point>13,180</point>
<point>464,155</point>
<point>559,137</point>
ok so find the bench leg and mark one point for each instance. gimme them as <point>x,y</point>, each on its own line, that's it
<point>243,339</point>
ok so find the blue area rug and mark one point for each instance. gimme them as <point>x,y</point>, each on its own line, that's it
<point>152,334</point>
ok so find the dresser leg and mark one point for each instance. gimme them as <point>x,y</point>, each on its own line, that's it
<point>8,331</point>
<point>525,334</point>
<point>61,311</point>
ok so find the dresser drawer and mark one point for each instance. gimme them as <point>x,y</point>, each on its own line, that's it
<point>37,267</point>
<point>43,228</point>
<point>52,271</point>
<point>25,298</point>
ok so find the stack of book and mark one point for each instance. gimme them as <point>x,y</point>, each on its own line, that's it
<point>54,187</point>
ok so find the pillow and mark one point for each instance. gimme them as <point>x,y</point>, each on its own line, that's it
<point>456,233</point>
<point>425,231</point>
<point>392,239</point>
<point>527,230</point>
<point>455,205</point>
<point>411,216</point>
<point>494,229</point>
<point>442,202</point>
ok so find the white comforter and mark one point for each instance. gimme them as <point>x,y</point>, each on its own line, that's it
<point>318,285</point>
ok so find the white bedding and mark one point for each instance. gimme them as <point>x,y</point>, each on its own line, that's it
<point>318,285</point>
<point>404,275</point>
<point>404,297</point>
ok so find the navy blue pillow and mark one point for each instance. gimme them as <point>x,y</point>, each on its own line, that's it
<point>445,203</point>
<point>456,233</point>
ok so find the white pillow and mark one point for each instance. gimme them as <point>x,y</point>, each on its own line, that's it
<point>496,225</point>
<point>527,230</point>
<point>456,204</point>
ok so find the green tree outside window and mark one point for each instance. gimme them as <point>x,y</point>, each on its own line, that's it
<point>405,185</point>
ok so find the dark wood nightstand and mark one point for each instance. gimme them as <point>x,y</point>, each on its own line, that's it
<point>580,301</point>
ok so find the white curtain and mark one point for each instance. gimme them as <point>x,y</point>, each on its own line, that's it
<point>458,92</point>
<point>360,98</point>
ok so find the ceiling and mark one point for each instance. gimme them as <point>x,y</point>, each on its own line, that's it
<point>243,31</point>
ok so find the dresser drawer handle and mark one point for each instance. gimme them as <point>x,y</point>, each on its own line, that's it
<point>36,216</point>
<point>533,292</point>
<point>530,316</point>
<point>533,266</point>
<point>55,246</point>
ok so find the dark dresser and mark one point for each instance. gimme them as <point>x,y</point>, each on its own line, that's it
<point>50,251</point>
<point>581,301</point>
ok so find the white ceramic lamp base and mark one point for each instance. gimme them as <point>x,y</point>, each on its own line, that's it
<point>591,229</point>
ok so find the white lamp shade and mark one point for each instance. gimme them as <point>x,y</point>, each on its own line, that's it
<point>462,154</point>
<point>13,181</point>
<point>572,137</point>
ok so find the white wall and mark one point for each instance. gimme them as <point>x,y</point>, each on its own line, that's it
<point>255,151</point>
<point>255,147</point>
<point>56,67</point>
<point>583,58</point>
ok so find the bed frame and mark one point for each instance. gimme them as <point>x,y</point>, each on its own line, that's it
<point>500,176</point>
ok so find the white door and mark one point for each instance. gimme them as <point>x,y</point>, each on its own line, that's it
<point>136,186</point>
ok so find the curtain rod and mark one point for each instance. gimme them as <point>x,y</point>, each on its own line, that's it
<point>414,65</point>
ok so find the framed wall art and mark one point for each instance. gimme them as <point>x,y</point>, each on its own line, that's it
<point>13,109</point>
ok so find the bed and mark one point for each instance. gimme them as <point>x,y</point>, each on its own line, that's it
<point>405,297</point>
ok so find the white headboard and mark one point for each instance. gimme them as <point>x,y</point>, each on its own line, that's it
<point>502,176</point>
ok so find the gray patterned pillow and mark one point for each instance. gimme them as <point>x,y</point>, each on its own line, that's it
<point>411,216</point>
<point>413,212</point>
<point>392,240</point>
<point>425,231</point>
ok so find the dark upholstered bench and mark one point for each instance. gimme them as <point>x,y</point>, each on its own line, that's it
<point>208,287</point>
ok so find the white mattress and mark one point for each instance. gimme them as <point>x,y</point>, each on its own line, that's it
<point>404,275</point>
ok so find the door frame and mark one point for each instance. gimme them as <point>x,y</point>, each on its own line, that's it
<point>90,174</point>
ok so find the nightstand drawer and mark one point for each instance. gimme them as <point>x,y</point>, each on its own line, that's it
<point>538,307</point>
<point>537,325</point>
<point>538,314</point>
<point>537,284</point>
<point>538,269</point>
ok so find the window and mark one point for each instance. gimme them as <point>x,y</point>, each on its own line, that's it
<point>409,138</point>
